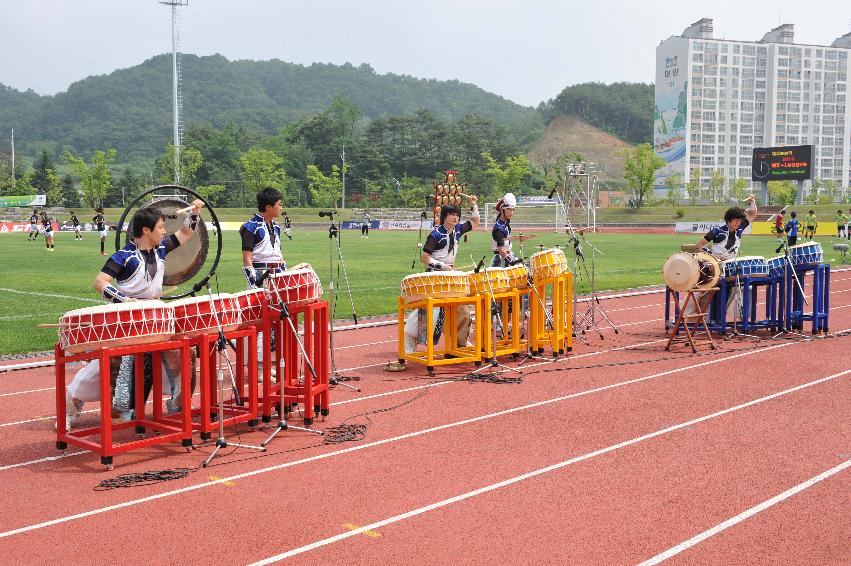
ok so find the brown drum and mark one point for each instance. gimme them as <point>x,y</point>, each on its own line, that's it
<point>684,271</point>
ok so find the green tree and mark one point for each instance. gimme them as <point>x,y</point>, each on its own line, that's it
<point>716,186</point>
<point>190,161</point>
<point>214,194</point>
<point>414,191</point>
<point>508,177</point>
<point>738,188</point>
<point>693,187</point>
<point>781,192</point>
<point>41,176</point>
<point>69,192</point>
<point>95,179</point>
<point>125,189</point>
<point>54,189</point>
<point>325,190</point>
<point>674,184</point>
<point>640,170</point>
<point>262,168</point>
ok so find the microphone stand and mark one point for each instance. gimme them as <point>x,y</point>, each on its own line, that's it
<point>595,305</point>
<point>787,266</point>
<point>494,362</point>
<point>282,422</point>
<point>739,307</point>
<point>419,240</point>
<point>333,233</point>
<point>221,348</point>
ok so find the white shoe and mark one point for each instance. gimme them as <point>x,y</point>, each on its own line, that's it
<point>73,408</point>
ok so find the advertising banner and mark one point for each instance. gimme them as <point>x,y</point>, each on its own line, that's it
<point>23,227</point>
<point>405,224</point>
<point>356,224</point>
<point>23,201</point>
<point>701,227</point>
<point>671,112</point>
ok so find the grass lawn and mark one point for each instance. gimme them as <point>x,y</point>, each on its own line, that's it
<point>38,286</point>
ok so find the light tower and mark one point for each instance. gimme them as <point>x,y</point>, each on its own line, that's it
<point>177,95</point>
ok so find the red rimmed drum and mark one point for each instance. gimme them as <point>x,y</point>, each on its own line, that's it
<point>121,324</point>
<point>251,305</point>
<point>297,286</point>
<point>194,316</point>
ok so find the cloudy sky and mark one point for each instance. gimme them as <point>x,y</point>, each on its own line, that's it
<point>524,50</point>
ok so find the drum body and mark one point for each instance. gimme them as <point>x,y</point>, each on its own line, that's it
<point>518,276</point>
<point>122,324</point>
<point>684,271</point>
<point>251,305</point>
<point>297,286</point>
<point>195,316</point>
<point>495,279</point>
<point>808,252</point>
<point>548,263</point>
<point>749,266</point>
<point>435,284</point>
<point>776,265</point>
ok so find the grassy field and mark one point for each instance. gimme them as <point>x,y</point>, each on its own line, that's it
<point>38,286</point>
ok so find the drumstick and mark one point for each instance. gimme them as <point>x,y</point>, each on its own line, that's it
<point>49,325</point>
<point>182,210</point>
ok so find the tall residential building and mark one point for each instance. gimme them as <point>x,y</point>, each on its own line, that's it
<point>717,99</point>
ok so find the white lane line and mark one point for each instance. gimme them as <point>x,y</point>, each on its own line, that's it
<point>745,515</point>
<point>42,460</point>
<point>27,391</point>
<point>540,471</point>
<point>51,295</point>
<point>382,442</point>
<point>366,344</point>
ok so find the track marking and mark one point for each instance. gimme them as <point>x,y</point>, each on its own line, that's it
<point>745,515</point>
<point>27,391</point>
<point>352,526</point>
<point>224,482</point>
<point>401,437</point>
<point>541,471</point>
<point>41,460</point>
<point>362,345</point>
<point>51,295</point>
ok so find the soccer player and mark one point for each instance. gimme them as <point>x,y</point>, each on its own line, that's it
<point>78,235</point>
<point>34,218</point>
<point>287,226</point>
<point>101,228</point>
<point>841,220</point>
<point>792,229</point>
<point>811,224</point>
<point>134,272</point>
<point>47,228</point>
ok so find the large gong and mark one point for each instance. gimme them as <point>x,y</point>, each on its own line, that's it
<point>186,261</point>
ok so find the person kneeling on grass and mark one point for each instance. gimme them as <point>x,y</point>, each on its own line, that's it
<point>137,270</point>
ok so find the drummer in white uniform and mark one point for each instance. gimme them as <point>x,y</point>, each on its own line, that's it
<point>134,273</point>
<point>439,253</point>
<point>501,232</point>
<point>723,243</point>
<point>261,249</point>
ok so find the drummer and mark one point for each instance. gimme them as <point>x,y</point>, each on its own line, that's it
<point>439,253</point>
<point>723,242</point>
<point>501,232</point>
<point>261,249</point>
<point>137,272</point>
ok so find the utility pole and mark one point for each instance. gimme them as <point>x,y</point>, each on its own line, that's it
<point>13,157</point>
<point>343,157</point>
<point>177,95</point>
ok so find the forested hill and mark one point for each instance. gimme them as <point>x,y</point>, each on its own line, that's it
<point>130,109</point>
<point>621,109</point>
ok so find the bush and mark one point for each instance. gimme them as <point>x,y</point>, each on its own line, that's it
<point>680,213</point>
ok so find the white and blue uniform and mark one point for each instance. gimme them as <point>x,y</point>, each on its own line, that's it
<point>442,246</point>
<point>723,242</point>
<point>263,240</point>
<point>138,274</point>
<point>501,236</point>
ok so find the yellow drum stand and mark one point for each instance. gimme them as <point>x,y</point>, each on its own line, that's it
<point>558,291</point>
<point>451,352</point>
<point>510,311</point>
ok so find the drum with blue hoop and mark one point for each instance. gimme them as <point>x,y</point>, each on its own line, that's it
<point>748,266</point>
<point>776,265</point>
<point>806,253</point>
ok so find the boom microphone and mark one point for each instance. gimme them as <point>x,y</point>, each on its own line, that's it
<point>780,247</point>
<point>266,274</point>
<point>552,192</point>
<point>481,264</point>
<point>326,213</point>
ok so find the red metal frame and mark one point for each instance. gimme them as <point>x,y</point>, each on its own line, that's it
<point>171,429</point>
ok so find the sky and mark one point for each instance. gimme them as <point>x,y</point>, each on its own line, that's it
<point>524,50</point>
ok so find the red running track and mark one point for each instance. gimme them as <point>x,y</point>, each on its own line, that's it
<point>618,454</point>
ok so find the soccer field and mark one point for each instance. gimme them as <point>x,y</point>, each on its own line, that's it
<point>37,286</point>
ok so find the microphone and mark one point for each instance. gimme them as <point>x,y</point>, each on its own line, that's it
<point>780,247</point>
<point>481,264</point>
<point>263,277</point>
<point>552,192</point>
<point>326,213</point>
<point>200,285</point>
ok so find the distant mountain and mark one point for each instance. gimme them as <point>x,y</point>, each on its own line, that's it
<point>622,109</point>
<point>130,109</point>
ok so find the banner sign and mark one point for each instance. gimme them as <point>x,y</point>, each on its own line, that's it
<point>405,224</point>
<point>701,227</point>
<point>23,201</point>
<point>534,199</point>
<point>790,163</point>
<point>9,227</point>
<point>356,224</point>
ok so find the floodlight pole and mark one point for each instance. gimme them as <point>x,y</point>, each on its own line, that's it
<point>175,82</point>
<point>13,157</point>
